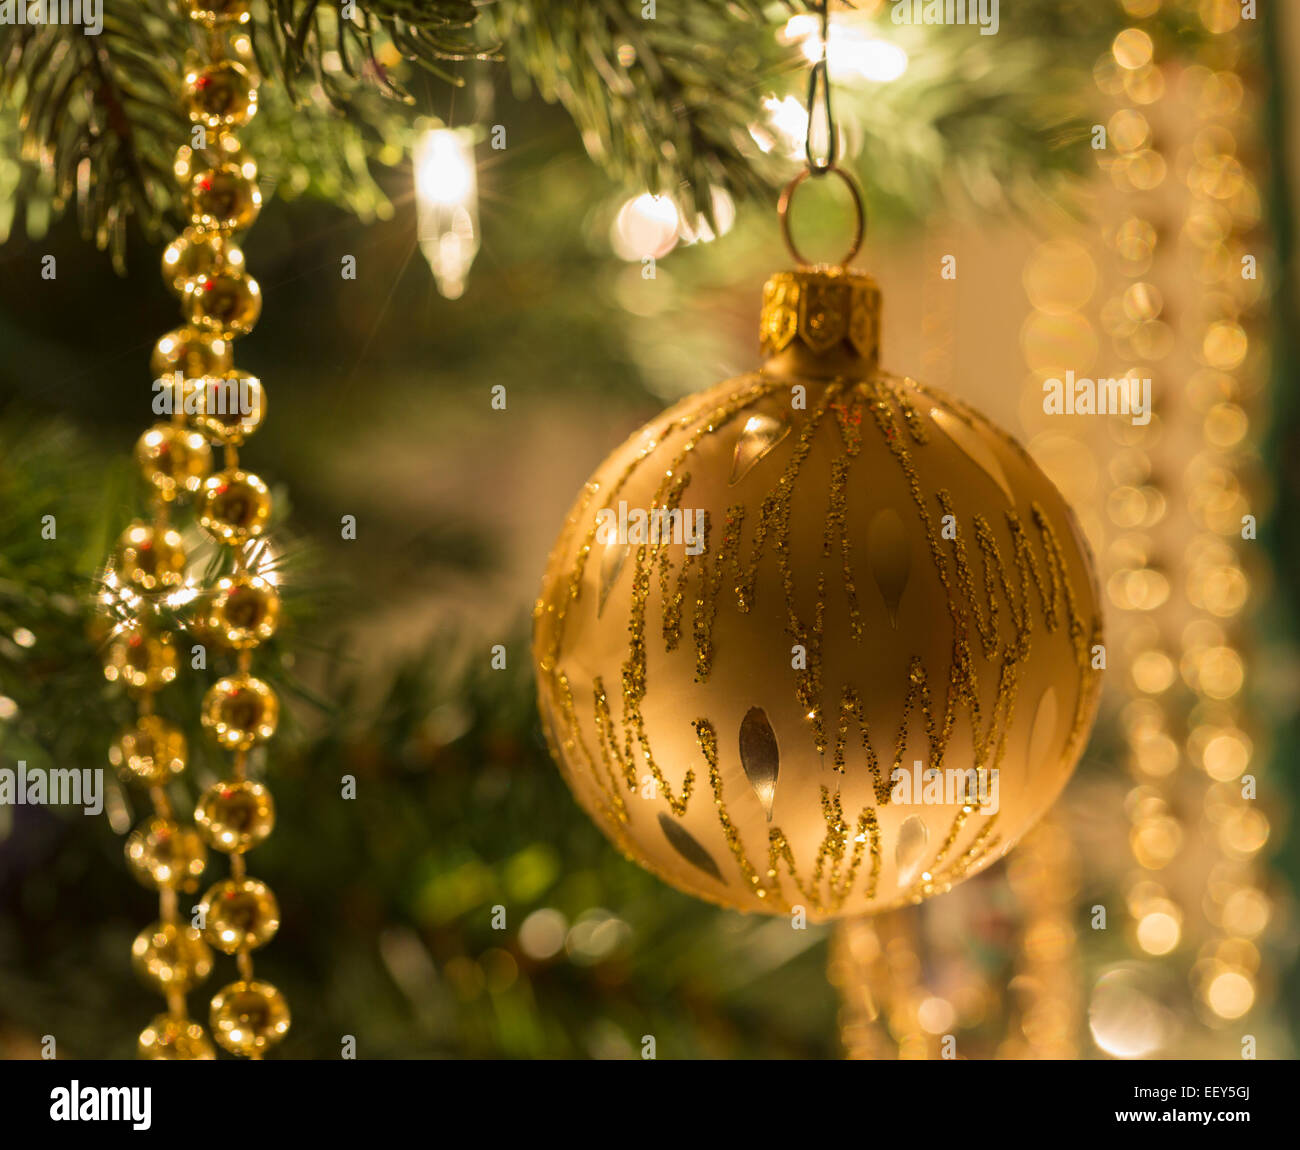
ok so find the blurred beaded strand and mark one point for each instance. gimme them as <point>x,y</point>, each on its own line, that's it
<point>1142,535</point>
<point>1224,208</point>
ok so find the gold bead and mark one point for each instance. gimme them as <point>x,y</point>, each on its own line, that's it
<point>248,1017</point>
<point>226,304</point>
<point>240,914</point>
<point>150,558</point>
<point>197,251</point>
<point>221,95</point>
<point>224,149</point>
<point>192,352</point>
<point>146,662</point>
<point>214,12</point>
<point>225,198</point>
<point>173,458</point>
<point>174,1039</point>
<point>150,752</point>
<point>163,855</point>
<point>240,711</point>
<point>245,611</point>
<point>234,506</point>
<point>171,957</point>
<point>232,406</point>
<point>235,816</point>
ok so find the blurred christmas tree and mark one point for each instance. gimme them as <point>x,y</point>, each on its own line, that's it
<point>388,900</point>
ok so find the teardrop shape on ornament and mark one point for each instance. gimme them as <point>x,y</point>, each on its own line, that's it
<point>973,445</point>
<point>688,846</point>
<point>909,851</point>
<point>1043,730</point>
<point>760,757</point>
<point>760,434</point>
<point>891,559</point>
<point>611,564</point>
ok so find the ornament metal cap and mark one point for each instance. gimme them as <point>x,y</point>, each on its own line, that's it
<point>820,322</point>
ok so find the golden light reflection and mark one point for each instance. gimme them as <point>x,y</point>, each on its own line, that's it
<point>1230,994</point>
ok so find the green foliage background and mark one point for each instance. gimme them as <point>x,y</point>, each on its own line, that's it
<point>387,900</point>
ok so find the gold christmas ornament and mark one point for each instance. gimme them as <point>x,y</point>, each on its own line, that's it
<point>173,459</point>
<point>248,1017</point>
<point>240,711</point>
<point>169,956</point>
<point>166,856</point>
<point>245,611</point>
<point>821,636</point>
<point>235,816</point>
<point>150,753</point>
<point>174,1039</point>
<point>234,506</point>
<point>240,914</point>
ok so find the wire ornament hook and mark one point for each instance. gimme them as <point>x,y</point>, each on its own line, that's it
<point>820,77</point>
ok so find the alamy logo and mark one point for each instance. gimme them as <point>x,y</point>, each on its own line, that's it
<point>981,12</point>
<point>1127,395</point>
<point>77,1103</point>
<point>658,525</point>
<point>214,395</point>
<point>930,786</point>
<point>88,13</point>
<point>56,788</point>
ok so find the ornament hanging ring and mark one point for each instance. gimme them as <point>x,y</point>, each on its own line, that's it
<point>860,212</point>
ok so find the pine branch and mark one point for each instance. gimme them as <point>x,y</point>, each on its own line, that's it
<point>663,95</point>
<point>99,114</point>
<point>664,103</point>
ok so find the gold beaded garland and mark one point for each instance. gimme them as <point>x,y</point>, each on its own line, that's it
<point>208,401</point>
<point>233,507</point>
